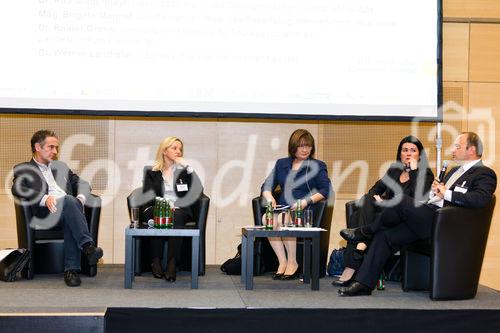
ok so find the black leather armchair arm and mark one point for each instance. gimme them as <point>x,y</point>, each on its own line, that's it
<point>200,211</point>
<point>92,214</point>
<point>350,208</point>
<point>25,235</point>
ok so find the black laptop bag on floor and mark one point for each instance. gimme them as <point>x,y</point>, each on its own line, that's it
<point>13,264</point>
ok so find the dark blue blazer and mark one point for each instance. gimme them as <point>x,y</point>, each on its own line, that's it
<point>311,178</point>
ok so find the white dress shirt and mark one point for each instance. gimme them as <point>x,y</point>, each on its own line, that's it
<point>54,189</point>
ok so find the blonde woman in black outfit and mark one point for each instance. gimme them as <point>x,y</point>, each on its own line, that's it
<point>173,179</point>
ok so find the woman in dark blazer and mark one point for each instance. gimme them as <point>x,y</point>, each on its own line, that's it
<point>173,179</point>
<point>299,177</point>
<point>410,175</point>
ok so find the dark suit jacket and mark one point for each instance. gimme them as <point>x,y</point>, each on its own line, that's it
<point>153,186</point>
<point>29,184</point>
<point>416,187</point>
<point>480,182</point>
<point>312,172</point>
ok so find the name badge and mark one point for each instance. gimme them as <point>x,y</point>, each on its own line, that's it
<point>182,187</point>
<point>460,189</point>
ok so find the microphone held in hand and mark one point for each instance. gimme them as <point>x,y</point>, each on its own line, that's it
<point>443,171</point>
<point>440,179</point>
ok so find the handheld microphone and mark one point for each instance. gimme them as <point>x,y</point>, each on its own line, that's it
<point>443,171</point>
<point>440,179</point>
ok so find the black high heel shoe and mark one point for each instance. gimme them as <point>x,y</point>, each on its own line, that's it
<point>277,276</point>
<point>338,283</point>
<point>170,275</point>
<point>156,269</point>
<point>291,277</point>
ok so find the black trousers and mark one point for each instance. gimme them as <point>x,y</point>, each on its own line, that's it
<point>366,214</point>
<point>181,217</point>
<point>398,226</point>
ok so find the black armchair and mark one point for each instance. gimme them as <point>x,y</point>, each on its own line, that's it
<point>449,264</point>
<point>322,216</point>
<point>200,211</point>
<point>350,208</point>
<point>46,246</point>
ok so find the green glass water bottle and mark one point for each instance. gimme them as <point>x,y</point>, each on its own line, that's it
<point>168,216</point>
<point>156,213</point>
<point>298,214</point>
<point>269,216</point>
<point>381,282</point>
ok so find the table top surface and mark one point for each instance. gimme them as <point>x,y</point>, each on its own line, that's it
<point>289,232</point>
<point>147,231</point>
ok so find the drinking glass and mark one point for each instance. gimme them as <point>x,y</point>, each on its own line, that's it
<point>285,218</point>
<point>307,215</point>
<point>291,221</point>
<point>134,216</point>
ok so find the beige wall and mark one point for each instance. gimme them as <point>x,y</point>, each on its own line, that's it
<point>471,53</point>
<point>122,146</point>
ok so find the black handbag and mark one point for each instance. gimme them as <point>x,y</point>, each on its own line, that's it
<point>13,264</point>
<point>232,266</point>
<point>336,263</point>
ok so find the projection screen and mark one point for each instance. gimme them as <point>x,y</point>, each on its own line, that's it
<point>320,59</point>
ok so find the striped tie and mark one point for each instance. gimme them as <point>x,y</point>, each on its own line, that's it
<point>454,177</point>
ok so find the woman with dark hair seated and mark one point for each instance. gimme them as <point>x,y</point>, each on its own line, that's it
<point>410,175</point>
<point>299,177</point>
<point>173,179</point>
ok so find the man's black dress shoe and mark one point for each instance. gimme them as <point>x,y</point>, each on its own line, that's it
<point>354,235</point>
<point>338,283</point>
<point>355,289</point>
<point>72,279</point>
<point>93,254</point>
<point>277,276</point>
<point>291,277</point>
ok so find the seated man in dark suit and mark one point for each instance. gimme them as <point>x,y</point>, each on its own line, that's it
<point>469,185</point>
<point>56,196</point>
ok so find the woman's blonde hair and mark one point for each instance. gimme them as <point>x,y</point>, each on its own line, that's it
<point>167,142</point>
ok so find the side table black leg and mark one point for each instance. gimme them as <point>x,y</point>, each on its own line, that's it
<point>243,254</point>
<point>134,256</point>
<point>195,256</point>
<point>307,260</point>
<point>137,255</point>
<point>315,262</point>
<point>249,260</point>
<point>129,265</point>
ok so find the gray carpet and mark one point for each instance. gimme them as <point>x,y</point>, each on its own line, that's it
<point>49,294</point>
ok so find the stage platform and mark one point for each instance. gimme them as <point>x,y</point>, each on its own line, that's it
<point>46,304</point>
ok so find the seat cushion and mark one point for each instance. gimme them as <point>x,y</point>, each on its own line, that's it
<point>55,233</point>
